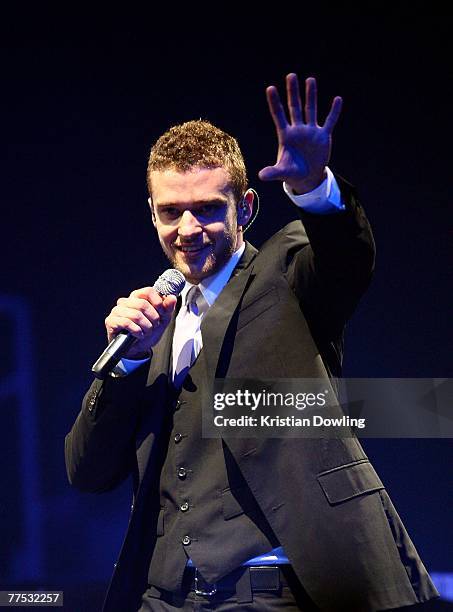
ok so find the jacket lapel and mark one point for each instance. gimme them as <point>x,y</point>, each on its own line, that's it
<point>215,324</point>
<point>161,353</point>
<point>157,390</point>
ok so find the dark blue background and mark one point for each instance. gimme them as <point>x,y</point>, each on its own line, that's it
<point>83,98</point>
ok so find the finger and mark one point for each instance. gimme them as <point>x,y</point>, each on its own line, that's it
<point>138,304</point>
<point>149,294</point>
<point>333,115</point>
<point>137,317</point>
<point>116,324</point>
<point>141,290</point>
<point>293,97</point>
<point>311,101</point>
<point>271,173</point>
<point>276,108</point>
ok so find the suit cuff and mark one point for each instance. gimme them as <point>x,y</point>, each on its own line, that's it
<point>323,200</point>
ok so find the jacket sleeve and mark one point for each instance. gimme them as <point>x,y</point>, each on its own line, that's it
<point>330,274</point>
<point>100,448</point>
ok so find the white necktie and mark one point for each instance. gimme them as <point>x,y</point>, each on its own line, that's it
<point>187,340</point>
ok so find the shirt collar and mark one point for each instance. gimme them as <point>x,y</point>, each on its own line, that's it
<point>211,286</point>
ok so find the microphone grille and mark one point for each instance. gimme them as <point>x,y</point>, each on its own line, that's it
<point>171,282</point>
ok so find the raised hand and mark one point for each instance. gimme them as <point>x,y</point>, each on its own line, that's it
<point>303,146</point>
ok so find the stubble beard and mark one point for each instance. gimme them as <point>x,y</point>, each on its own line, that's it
<point>213,262</point>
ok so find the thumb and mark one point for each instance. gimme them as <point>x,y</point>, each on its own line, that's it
<point>271,173</point>
<point>169,304</point>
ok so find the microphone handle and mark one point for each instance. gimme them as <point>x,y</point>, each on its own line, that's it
<point>112,354</point>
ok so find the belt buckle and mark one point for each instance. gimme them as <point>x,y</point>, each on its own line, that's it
<point>205,590</point>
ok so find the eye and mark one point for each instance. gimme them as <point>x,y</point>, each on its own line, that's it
<point>169,212</point>
<point>208,209</point>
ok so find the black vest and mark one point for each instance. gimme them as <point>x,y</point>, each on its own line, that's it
<point>208,512</point>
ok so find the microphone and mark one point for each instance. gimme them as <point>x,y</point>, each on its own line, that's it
<point>171,282</point>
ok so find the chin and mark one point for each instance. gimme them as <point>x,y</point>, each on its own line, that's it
<point>190,273</point>
<point>196,273</point>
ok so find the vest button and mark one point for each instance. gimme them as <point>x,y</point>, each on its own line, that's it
<point>184,507</point>
<point>178,438</point>
<point>177,404</point>
<point>182,473</point>
<point>186,540</point>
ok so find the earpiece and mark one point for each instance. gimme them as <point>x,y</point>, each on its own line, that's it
<point>244,207</point>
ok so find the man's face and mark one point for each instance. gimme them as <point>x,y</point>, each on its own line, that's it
<point>195,218</point>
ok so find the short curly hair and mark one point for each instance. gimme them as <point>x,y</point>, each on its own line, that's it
<point>198,144</point>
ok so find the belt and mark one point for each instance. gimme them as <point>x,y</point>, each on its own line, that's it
<point>254,578</point>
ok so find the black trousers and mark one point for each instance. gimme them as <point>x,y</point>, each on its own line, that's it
<point>290,597</point>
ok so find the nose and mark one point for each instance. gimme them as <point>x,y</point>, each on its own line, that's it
<point>189,226</point>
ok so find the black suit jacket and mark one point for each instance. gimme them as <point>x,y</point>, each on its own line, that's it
<point>281,315</point>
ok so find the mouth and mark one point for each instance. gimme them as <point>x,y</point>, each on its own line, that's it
<point>192,251</point>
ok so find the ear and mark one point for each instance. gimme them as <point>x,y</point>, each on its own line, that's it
<point>153,215</point>
<point>245,207</point>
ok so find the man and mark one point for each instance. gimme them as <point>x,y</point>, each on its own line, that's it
<point>209,513</point>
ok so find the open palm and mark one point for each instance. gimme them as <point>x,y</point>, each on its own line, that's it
<point>303,146</point>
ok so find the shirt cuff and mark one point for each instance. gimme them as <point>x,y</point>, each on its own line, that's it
<point>323,200</point>
<point>127,366</point>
